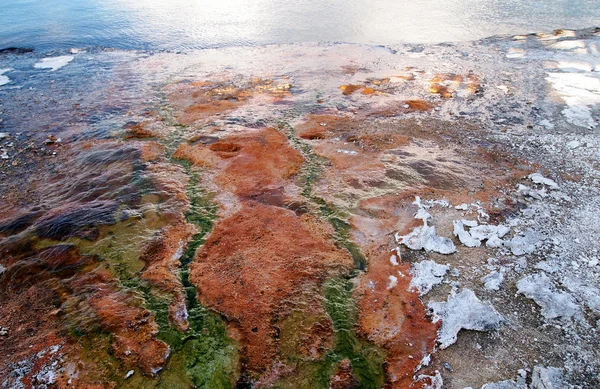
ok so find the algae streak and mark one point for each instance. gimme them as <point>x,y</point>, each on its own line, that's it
<point>366,359</point>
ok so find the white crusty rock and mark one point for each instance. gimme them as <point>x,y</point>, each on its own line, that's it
<point>435,381</point>
<point>464,236</point>
<point>547,378</point>
<point>539,179</point>
<point>494,242</point>
<point>493,280</point>
<point>427,274</point>
<point>533,193</point>
<point>478,233</point>
<point>573,144</point>
<point>463,310</point>
<point>525,243</point>
<point>508,384</point>
<point>554,304</point>
<point>487,231</point>
<point>423,215</point>
<point>425,238</point>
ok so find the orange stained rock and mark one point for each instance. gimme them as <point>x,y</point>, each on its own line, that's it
<point>403,107</point>
<point>419,105</point>
<point>201,100</point>
<point>162,255</point>
<point>197,154</point>
<point>132,326</point>
<point>393,317</point>
<point>343,378</point>
<point>259,264</point>
<point>441,90</point>
<point>250,163</point>
<point>454,78</point>
<point>474,85</point>
<point>68,291</point>
<point>27,309</point>
<point>151,151</point>
<point>138,131</point>
<point>358,131</point>
<point>368,91</point>
<point>447,84</point>
<point>323,126</point>
<point>349,89</point>
<point>389,314</point>
<point>204,110</point>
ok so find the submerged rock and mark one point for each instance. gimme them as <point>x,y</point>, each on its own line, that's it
<point>463,310</point>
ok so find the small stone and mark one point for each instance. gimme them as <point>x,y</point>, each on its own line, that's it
<point>51,140</point>
<point>129,374</point>
<point>573,144</point>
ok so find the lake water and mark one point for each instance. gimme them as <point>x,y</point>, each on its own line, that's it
<point>192,24</point>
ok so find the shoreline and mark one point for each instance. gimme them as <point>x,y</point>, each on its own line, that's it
<point>430,208</point>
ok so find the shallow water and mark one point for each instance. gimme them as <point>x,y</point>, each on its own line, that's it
<point>188,24</point>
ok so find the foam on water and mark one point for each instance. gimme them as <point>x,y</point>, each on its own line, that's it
<point>54,63</point>
<point>4,79</point>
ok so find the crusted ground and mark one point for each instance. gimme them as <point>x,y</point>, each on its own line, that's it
<point>299,216</point>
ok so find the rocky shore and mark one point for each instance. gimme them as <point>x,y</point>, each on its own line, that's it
<point>303,216</point>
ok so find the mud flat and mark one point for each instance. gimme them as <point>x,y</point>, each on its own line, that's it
<point>303,216</point>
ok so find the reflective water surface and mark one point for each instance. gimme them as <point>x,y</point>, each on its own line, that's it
<point>186,24</point>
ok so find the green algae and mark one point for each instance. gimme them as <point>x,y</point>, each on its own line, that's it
<point>309,175</point>
<point>211,356</point>
<point>202,357</point>
<point>366,359</point>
